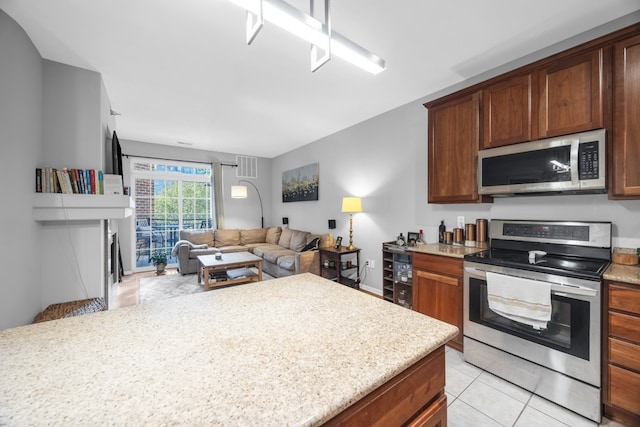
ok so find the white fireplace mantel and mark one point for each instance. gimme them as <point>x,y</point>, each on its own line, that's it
<point>80,207</point>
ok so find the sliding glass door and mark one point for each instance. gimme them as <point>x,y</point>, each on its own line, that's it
<point>169,196</point>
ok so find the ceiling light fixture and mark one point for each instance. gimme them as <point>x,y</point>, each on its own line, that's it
<point>320,35</point>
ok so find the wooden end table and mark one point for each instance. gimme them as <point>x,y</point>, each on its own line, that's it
<point>335,264</point>
<point>209,264</point>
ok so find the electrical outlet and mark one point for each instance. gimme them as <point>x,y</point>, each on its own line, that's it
<point>461,222</point>
<point>366,262</point>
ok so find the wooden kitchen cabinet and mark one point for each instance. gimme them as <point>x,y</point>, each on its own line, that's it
<point>570,98</point>
<point>621,364</point>
<point>591,86</point>
<point>453,144</point>
<point>437,290</point>
<point>509,112</point>
<point>626,118</point>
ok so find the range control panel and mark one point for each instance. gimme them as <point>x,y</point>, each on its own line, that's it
<point>547,231</point>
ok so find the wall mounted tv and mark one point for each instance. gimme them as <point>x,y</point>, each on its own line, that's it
<point>116,155</point>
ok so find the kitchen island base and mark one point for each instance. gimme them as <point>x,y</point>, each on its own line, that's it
<point>415,397</point>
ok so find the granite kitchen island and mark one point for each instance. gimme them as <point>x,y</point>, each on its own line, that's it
<point>299,350</point>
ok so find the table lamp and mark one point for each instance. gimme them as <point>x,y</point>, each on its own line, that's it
<point>351,205</point>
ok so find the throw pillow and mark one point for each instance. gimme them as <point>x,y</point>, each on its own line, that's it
<point>273,235</point>
<point>285,238</point>
<point>298,240</point>
<point>312,245</point>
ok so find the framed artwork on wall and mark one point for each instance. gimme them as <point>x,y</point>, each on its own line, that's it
<point>300,184</point>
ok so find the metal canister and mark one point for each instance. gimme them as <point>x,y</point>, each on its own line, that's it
<point>448,237</point>
<point>458,236</point>
<point>470,235</point>
<point>481,230</point>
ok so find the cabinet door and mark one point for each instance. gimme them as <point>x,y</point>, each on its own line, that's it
<point>571,95</point>
<point>510,112</point>
<point>626,137</point>
<point>440,297</point>
<point>453,145</point>
<point>624,389</point>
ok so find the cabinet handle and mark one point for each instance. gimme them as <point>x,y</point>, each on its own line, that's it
<point>442,279</point>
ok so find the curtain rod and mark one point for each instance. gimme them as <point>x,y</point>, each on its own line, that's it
<point>177,160</point>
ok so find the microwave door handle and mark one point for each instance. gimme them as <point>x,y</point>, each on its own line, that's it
<point>574,162</point>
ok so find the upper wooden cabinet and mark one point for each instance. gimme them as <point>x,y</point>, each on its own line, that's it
<point>626,118</point>
<point>510,111</point>
<point>453,150</point>
<point>592,86</point>
<point>570,98</point>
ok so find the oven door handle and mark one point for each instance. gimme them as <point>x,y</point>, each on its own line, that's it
<point>556,288</point>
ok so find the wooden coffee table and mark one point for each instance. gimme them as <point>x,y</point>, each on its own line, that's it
<point>229,261</point>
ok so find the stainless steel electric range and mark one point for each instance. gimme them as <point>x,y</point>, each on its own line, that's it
<point>532,312</point>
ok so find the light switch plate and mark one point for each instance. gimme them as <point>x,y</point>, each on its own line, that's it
<point>461,222</point>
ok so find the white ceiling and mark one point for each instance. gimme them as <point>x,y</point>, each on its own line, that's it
<point>181,70</point>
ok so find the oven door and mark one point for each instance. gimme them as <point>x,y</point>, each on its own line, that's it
<point>571,342</point>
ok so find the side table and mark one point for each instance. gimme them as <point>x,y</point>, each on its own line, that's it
<point>341,265</point>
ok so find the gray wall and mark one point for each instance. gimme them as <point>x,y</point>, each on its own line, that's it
<point>72,117</point>
<point>21,141</point>
<point>51,114</point>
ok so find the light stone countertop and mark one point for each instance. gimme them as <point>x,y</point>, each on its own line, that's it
<point>623,273</point>
<point>452,251</point>
<point>290,351</point>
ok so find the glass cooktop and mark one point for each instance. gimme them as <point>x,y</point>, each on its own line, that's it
<point>553,264</point>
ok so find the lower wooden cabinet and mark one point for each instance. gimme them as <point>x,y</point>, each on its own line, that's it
<point>415,397</point>
<point>437,290</point>
<point>621,385</point>
<point>624,389</point>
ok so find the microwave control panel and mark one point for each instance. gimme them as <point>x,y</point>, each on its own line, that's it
<point>588,160</point>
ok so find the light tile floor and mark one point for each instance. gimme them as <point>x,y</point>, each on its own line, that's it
<point>477,398</point>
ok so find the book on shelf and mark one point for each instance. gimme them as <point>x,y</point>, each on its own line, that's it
<point>69,181</point>
<point>218,276</point>
<point>38,180</point>
<point>81,181</point>
<point>100,182</point>
<point>92,181</point>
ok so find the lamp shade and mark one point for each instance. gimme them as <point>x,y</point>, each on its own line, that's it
<point>238,192</point>
<point>351,204</point>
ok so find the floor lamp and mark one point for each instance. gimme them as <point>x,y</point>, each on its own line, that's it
<point>351,205</point>
<point>240,192</point>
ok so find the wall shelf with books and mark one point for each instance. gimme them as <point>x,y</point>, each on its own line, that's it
<point>79,207</point>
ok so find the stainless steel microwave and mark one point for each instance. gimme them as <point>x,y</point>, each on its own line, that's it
<point>569,164</point>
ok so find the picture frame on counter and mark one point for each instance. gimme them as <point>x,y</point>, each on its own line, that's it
<point>412,238</point>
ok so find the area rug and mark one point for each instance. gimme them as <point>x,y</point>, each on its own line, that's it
<point>172,285</point>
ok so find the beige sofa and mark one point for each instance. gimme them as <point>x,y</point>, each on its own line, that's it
<point>284,251</point>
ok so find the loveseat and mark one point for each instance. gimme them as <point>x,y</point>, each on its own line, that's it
<point>284,251</point>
